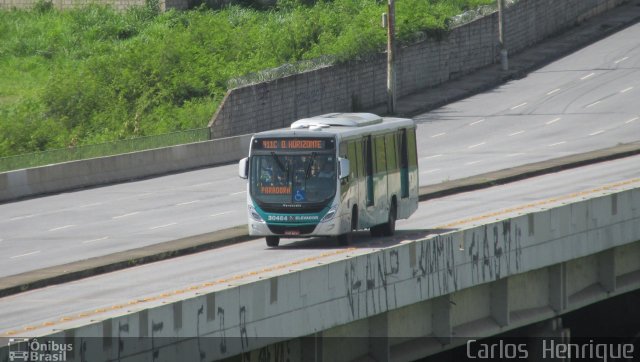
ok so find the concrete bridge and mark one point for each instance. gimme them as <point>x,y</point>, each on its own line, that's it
<point>470,279</point>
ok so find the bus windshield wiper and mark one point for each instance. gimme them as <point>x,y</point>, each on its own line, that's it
<point>307,172</point>
<point>278,162</point>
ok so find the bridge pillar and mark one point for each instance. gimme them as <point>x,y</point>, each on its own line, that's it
<point>500,301</point>
<point>607,270</point>
<point>311,347</point>
<point>548,330</point>
<point>558,287</point>
<point>379,348</point>
<point>441,318</point>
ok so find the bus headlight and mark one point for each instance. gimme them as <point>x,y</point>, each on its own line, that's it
<point>330,215</point>
<point>254,214</point>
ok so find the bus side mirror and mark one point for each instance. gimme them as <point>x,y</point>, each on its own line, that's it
<point>344,167</point>
<point>243,167</point>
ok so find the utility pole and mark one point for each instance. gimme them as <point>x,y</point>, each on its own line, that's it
<point>504,58</point>
<point>389,21</point>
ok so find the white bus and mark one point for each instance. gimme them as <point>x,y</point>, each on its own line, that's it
<point>330,175</point>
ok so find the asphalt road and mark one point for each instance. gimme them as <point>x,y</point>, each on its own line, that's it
<point>115,291</point>
<point>585,101</point>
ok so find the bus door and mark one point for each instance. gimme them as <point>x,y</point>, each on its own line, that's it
<point>403,163</point>
<point>393,176</point>
<point>361,179</point>
<point>380,180</point>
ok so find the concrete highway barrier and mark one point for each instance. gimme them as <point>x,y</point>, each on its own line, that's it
<point>519,265</point>
<point>130,166</point>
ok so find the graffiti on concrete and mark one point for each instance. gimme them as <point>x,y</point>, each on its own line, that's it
<point>353,285</point>
<point>201,353</point>
<point>155,327</point>
<point>244,338</point>
<point>121,328</point>
<point>223,339</point>
<point>379,295</point>
<point>436,266</point>
<point>491,256</point>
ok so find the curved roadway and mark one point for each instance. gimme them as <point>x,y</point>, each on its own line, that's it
<point>585,101</point>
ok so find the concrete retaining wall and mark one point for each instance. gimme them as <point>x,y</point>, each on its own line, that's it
<point>247,313</point>
<point>77,174</point>
<point>356,86</point>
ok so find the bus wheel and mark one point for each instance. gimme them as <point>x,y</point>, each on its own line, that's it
<point>345,239</point>
<point>273,241</point>
<point>390,227</point>
<point>376,230</point>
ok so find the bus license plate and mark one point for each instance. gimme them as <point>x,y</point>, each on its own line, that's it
<point>292,232</point>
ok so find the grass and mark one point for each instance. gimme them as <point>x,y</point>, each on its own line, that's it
<point>95,75</point>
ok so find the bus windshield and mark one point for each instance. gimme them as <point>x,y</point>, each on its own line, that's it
<point>293,178</point>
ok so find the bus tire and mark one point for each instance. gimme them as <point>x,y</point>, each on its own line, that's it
<point>273,241</point>
<point>376,231</point>
<point>389,228</point>
<point>345,239</point>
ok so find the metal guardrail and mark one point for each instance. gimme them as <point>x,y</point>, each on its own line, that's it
<point>104,149</point>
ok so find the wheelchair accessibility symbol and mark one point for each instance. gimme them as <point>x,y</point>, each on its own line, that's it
<point>299,196</point>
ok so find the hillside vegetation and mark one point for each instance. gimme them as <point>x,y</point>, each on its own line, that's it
<point>93,75</point>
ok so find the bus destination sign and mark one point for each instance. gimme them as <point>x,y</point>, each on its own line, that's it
<point>293,144</point>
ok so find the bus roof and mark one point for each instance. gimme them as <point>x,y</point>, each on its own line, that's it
<point>343,125</point>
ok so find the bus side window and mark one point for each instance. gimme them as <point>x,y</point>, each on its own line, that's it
<point>381,162</point>
<point>411,148</point>
<point>390,144</point>
<point>353,160</point>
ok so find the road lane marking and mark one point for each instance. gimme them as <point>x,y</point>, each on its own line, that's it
<point>515,154</point>
<point>202,184</point>
<point>553,91</point>
<point>21,217</point>
<point>620,60</point>
<point>162,226</point>
<point>430,171</point>
<point>626,90</point>
<point>439,134</point>
<point>238,193</point>
<point>593,104</point>
<point>221,213</point>
<point>596,132</point>
<point>27,254</point>
<point>516,133</point>
<point>62,227</point>
<point>476,122</point>
<point>588,76</point>
<point>89,205</point>
<point>94,240</point>
<point>557,143</point>
<point>428,157</point>
<point>187,203</point>
<point>553,121</point>
<point>631,120</point>
<point>518,106</point>
<point>472,163</point>
<point>125,215</point>
<point>477,145</point>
